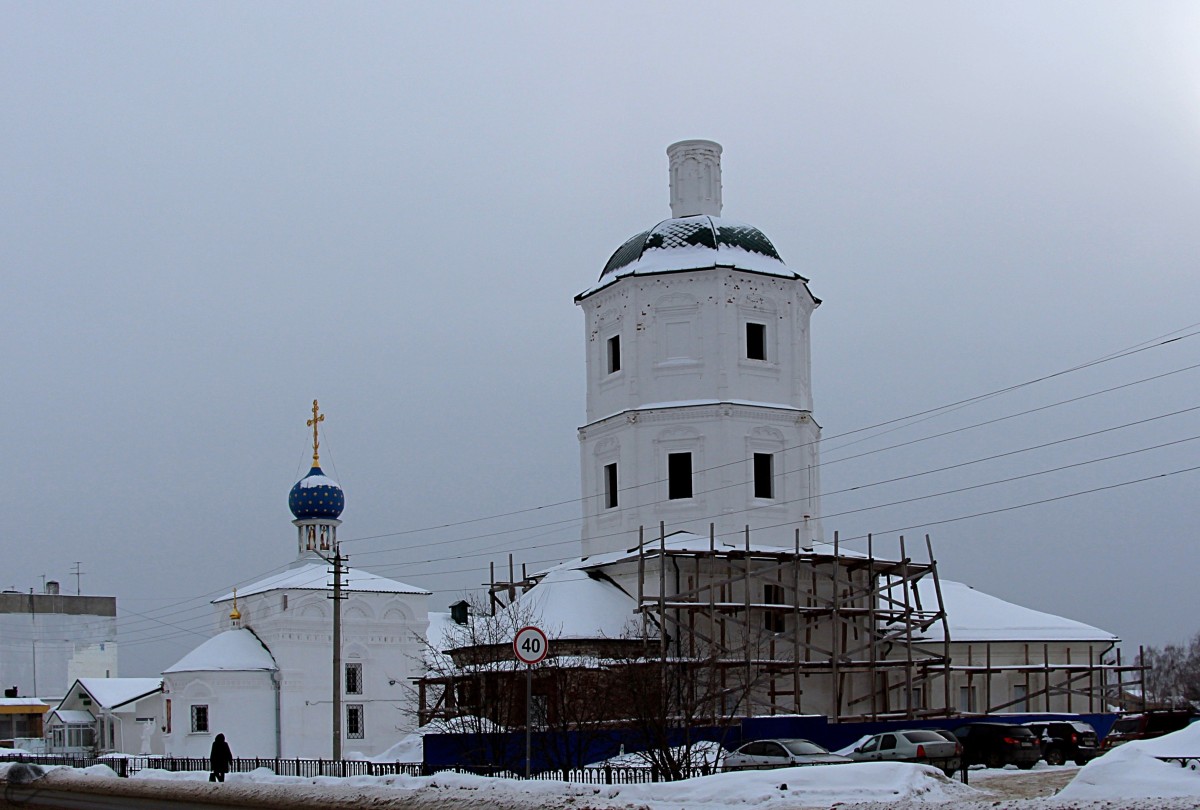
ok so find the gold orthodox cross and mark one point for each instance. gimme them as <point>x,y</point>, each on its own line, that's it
<point>312,423</point>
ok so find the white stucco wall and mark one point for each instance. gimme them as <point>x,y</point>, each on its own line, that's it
<point>380,631</point>
<point>686,385</point>
<point>241,705</point>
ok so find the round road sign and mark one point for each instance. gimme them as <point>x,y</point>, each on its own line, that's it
<point>530,645</point>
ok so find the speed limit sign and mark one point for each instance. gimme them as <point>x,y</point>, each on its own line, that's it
<point>530,645</point>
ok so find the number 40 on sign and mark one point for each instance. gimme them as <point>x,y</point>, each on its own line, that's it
<point>529,645</point>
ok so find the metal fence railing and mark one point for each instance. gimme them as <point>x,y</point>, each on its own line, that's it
<point>126,766</point>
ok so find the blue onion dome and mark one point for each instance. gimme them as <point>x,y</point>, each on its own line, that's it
<point>316,496</point>
<point>694,242</point>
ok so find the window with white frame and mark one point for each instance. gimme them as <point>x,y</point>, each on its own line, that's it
<point>679,476</point>
<point>199,718</point>
<point>355,726</point>
<point>354,684</point>
<point>764,475</point>
<point>610,485</point>
<point>613,354</point>
<point>756,341</point>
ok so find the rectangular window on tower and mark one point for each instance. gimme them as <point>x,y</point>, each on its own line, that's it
<point>756,341</point>
<point>354,679</point>
<point>614,354</point>
<point>610,485</point>
<point>355,729</point>
<point>764,475</point>
<point>679,476</point>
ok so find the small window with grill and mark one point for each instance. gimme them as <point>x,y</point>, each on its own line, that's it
<point>355,727</point>
<point>199,718</point>
<point>354,684</point>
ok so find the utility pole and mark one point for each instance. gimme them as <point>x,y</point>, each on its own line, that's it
<point>337,650</point>
<point>78,573</point>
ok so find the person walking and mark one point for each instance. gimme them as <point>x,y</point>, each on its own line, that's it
<point>220,759</point>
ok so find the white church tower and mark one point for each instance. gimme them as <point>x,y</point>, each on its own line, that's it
<point>699,388</point>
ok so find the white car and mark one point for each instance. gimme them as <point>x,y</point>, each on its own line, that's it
<point>780,754</point>
<point>924,746</point>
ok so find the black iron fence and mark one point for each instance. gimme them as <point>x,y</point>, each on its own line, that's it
<point>127,766</point>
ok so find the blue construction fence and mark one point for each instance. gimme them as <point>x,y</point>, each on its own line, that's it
<point>551,751</point>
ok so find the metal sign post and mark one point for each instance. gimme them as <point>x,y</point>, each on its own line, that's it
<point>530,647</point>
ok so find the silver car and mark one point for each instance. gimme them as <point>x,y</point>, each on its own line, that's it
<point>780,754</point>
<point>924,746</point>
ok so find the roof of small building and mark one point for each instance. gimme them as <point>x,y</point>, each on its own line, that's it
<point>233,650</point>
<point>315,576</point>
<point>112,693</point>
<point>573,604</point>
<point>977,616</point>
<point>23,705</point>
<point>73,717</point>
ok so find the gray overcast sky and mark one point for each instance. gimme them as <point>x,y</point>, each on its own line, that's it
<point>212,213</point>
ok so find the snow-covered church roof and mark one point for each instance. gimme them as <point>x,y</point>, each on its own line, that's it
<point>977,616</point>
<point>315,576</point>
<point>570,603</point>
<point>231,651</point>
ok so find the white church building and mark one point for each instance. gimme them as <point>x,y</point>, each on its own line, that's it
<point>702,528</point>
<point>266,681</point>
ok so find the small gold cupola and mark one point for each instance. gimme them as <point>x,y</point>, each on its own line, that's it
<point>235,615</point>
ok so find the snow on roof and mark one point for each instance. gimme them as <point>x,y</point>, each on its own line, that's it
<point>12,704</point>
<point>110,693</point>
<point>310,481</point>
<point>73,716</point>
<point>696,257</point>
<point>234,650</point>
<point>570,604</point>
<point>316,577</point>
<point>692,403</point>
<point>977,616</point>
<point>441,629</point>
<point>689,541</point>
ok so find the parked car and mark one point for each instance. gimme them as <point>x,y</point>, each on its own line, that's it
<point>918,745</point>
<point>1144,726</point>
<point>998,744</point>
<point>1064,740</point>
<point>780,754</point>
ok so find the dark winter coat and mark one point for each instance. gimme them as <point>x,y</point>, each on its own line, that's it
<point>220,756</point>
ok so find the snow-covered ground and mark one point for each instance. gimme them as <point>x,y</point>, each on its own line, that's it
<point>1129,777</point>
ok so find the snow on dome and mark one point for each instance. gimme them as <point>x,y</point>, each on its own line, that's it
<point>316,495</point>
<point>231,651</point>
<point>977,616</point>
<point>694,243</point>
<point>316,577</point>
<point>571,604</point>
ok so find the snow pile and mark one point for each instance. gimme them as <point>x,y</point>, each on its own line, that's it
<point>1131,771</point>
<point>770,790</point>
<point>804,786</point>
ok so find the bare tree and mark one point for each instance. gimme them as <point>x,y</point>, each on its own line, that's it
<point>1173,677</point>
